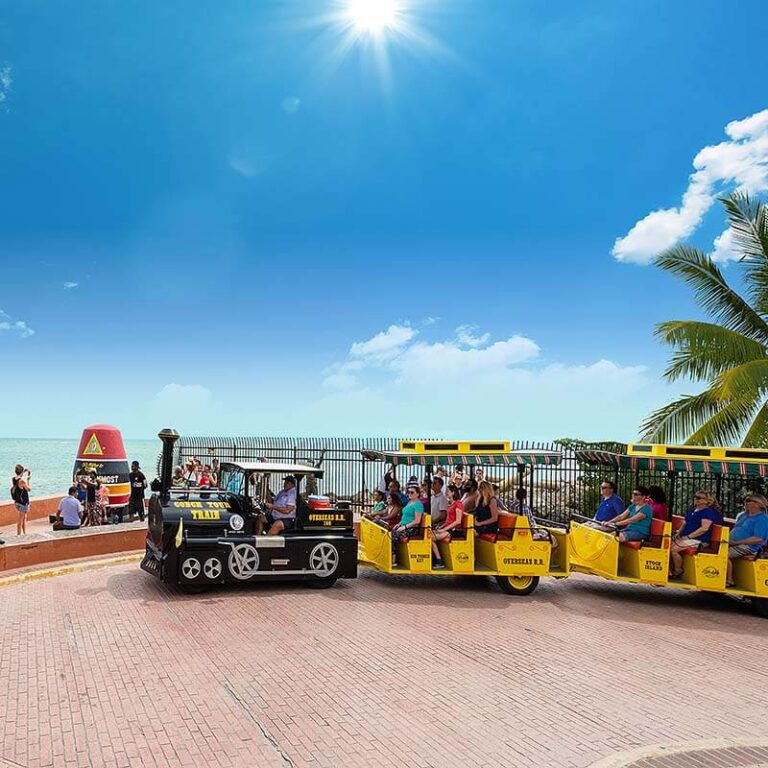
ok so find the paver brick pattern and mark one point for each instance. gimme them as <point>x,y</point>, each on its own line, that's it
<point>110,667</point>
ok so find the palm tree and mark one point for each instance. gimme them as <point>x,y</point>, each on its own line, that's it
<point>730,354</point>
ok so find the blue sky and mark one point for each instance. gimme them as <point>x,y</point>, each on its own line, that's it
<point>236,220</point>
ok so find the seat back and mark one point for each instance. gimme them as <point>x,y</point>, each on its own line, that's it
<point>657,533</point>
<point>715,540</point>
<point>677,522</point>
<point>507,521</point>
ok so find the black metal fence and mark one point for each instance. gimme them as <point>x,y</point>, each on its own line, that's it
<point>553,492</point>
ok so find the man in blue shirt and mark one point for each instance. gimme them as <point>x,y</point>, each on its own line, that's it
<point>68,516</point>
<point>611,506</point>
<point>750,533</point>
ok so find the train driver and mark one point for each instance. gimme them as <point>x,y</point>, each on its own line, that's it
<point>281,513</point>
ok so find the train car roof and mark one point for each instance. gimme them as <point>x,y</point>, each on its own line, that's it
<point>667,464</point>
<point>512,458</point>
<point>274,467</point>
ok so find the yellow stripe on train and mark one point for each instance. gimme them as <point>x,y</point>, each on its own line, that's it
<point>699,453</point>
<point>448,447</point>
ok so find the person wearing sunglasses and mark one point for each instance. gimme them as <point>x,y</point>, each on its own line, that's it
<point>634,523</point>
<point>410,521</point>
<point>611,505</point>
<point>696,531</point>
<point>750,532</point>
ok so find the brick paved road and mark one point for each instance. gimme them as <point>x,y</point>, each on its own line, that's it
<point>110,668</point>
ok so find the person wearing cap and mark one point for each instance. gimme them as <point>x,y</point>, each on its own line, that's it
<point>138,483</point>
<point>281,513</point>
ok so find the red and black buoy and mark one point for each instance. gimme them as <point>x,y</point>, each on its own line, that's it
<point>101,449</point>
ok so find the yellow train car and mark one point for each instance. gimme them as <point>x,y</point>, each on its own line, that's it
<point>727,472</point>
<point>512,556</point>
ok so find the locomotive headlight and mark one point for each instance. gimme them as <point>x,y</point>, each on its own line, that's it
<point>236,522</point>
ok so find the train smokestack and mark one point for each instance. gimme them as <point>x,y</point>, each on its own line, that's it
<point>169,438</point>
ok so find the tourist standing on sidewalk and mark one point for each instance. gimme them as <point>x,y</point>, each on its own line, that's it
<point>138,486</point>
<point>92,515</point>
<point>20,487</point>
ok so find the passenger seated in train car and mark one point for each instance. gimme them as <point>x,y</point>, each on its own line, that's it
<point>443,531</point>
<point>379,505</point>
<point>487,511</point>
<point>438,502</point>
<point>281,513</point>
<point>424,494</point>
<point>750,532</point>
<point>634,524</point>
<point>471,496</point>
<point>501,503</point>
<point>611,505</point>
<point>458,477</point>
<point>394,487</point>
<point>657,501</point>
<point>392,513</point>
<point>410,521</point>
<point>178,480</point>
<point>387,478</point>
<point>520,506</point>
<point>695,531</point>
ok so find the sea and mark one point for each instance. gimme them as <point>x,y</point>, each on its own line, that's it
<point>52,462</point>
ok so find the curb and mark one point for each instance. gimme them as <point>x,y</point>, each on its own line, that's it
<point>62,570</point>
<point>623,759</point>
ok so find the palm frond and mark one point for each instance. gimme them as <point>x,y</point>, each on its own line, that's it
<point>727,425</point>
<point>673,422</point>
<point>746,380</point>
<point>757,434</point>
<point>705,350</point>
<point>712,291</point>
<point>748,218</point>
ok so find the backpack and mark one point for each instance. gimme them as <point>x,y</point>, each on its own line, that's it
<point>16,491</point>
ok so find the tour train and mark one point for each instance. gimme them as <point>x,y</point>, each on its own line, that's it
<point>199,538</point>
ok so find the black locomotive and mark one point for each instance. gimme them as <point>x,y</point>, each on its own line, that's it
<point>198,537</point>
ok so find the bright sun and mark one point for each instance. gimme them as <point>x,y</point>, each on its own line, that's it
<point>373,16</point>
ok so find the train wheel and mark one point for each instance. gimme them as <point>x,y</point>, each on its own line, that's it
<point>190,568</point>
<point>760,604</point>
<point>517,585</point>
<point>324,560</point>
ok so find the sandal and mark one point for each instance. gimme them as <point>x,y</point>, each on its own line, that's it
<point>675,574</point>
<point>730,584</point>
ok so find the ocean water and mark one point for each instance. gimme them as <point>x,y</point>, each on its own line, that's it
<point>52,461</point>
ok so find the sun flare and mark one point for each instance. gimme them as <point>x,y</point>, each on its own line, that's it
<point>375,31</point>
<point>373,17</point>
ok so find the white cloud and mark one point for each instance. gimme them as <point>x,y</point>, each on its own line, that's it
<point>17,327</point>
<point>431,320</point>
<point>290,105</point>
<point>68,286</point>
<point>740,163</point>
<point>183,396</point>
<point>465,334</point>
<point>383,345</point>
<point>495,389</point>
<point>723,247</point>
